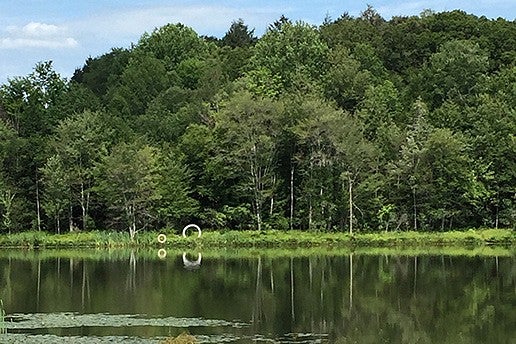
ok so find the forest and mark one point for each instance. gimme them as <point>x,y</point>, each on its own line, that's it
<point>358,124</point>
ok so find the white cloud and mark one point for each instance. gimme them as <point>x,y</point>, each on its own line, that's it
<point>37,35</point>
<point>209,20</point>
<point>16,43</point>
<point>41,29</point>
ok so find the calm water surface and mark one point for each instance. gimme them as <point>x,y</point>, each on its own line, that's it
<point>135,297</point>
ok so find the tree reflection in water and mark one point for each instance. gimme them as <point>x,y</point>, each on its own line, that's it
<point>354,298</point>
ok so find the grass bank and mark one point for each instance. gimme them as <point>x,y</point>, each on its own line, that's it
<point>125,254</point>
<point>263,239</point>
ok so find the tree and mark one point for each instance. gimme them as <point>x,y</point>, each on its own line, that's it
<point>454,73</point>
<point>7,192</point>
<point>81,142</point>
<point>7,200</point>
<point>316,162</point>
<point>247,129</point>
<point>492,124</point>
<point>172,44</point>
<point>346,81</point>
<point>293,55</point>
<point>447,164</point>
<point>176,204</point>
<point>238,35</point>
<point>28,101</point>
<point>357,158</point>
<point>129,182</point>
<point>333,152</point>
<point>101,72</point>
<point>56,188</point>
<point>142,80</point>
<point>30,108</point>
<point>347,32</point>
<point>381,107</point>
<point>409,177</point>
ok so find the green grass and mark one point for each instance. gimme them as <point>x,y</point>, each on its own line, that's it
<point>123,254</point>
<point>263,239</point>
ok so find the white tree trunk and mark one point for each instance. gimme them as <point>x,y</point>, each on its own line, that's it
<point>292,197</point>
<point>38,206</point>
<point>350,182</point>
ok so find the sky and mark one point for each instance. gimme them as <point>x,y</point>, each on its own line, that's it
<point>67,32</point>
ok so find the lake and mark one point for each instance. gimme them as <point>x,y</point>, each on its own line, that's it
<point>255,297</point>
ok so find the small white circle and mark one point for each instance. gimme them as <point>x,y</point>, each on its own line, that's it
<point>162,238</point>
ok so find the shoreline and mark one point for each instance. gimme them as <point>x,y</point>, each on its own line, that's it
<point>473,238</point>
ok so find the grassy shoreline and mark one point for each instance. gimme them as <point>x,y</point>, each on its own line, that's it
<point>264,239</point>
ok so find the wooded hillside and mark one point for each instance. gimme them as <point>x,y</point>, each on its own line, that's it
<point>358,124</point>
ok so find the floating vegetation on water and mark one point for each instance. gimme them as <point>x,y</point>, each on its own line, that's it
<point>53,339</point>
<point>67,320</point>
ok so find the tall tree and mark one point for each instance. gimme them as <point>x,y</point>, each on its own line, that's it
<point>247,129</point>
<point>409,177</point>
<point>28,101</point>
<point>316,160</point>
<point>172,44</point>
<point>56,189</point>
<point>142,80</point>
<point>176,203</point>
<point>292,55</point>
<point>99,73</point>
<point>239,35</point>
<point>129,181</point>
<point>81,142</point>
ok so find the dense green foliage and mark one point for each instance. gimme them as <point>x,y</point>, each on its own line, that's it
<point>359,124</point>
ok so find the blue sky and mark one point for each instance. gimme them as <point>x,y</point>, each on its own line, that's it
<point>68,31</point>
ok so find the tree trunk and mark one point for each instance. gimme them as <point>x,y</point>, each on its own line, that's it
<point>496,218</point>
<point>350,182</point>
<point>70,218</point>
<point>83,207</point>
<point>38,206</point>
<point>321,193</point>
<point>256,178</point>
<point>310,211</point>
<point>258,217</point>
<point>131,218</point>
<point>415,208</point>
<point>292,197</point>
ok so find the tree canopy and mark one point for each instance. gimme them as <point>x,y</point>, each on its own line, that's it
<point>359,124</point>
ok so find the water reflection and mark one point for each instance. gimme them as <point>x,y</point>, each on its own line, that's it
<point>327,299</point>
<point>192,264</point>
<point>162,253</point>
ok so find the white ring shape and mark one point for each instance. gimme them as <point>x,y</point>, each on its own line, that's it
<point>162,238</point>
<point>192,226</point>
<point>192,263</point>
<point>162,253</point>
